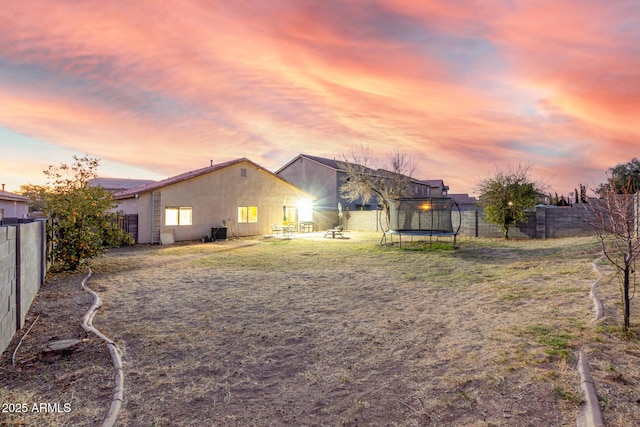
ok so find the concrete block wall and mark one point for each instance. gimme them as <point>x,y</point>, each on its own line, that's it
<point>567,222</point>
<point>362,221</point>
<point>543,222</point>
<point>31,264</point>
<point>474,225</point>
<point>22,270</point>
<point>8,321</point>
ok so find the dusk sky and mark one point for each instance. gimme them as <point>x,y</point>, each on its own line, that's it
<point>157,88</point>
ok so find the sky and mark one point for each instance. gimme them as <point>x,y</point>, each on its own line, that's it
<point>462,87</point>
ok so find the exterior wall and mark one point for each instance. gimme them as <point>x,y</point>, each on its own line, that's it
<point>22,271</point>
<point>215,198</point>
<point>144,218</point>
<point>316,179</point>
<point>128,206</point>
<point>13,209</point>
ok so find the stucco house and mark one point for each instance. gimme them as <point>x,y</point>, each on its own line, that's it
<point>239,196</point>
<point>13,205</point>
<point>323,178</point>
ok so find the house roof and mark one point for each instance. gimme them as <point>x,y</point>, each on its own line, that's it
<point>330,163</point>
<point>118,184</point>
<point>463,199</point>
<point>333,164</point>
<point>336,165</point>
<point>131,192</point>
<point>5,195</point>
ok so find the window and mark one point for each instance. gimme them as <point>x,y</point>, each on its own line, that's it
<point>247,214</point>
<point>178,216</point>
<point>243,172</point>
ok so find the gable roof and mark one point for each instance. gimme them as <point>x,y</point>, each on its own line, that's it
<point>336,165</point>
<point>5,195</point>
<point>131,192</point>
<point>118,184</point>
<point>435,183</point>
<point>333,164</point>
<point>330,163</point>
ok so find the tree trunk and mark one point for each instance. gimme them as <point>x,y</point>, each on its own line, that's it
<point>625,297</point>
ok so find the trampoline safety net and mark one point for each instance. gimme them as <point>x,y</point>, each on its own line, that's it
<point>430,216</point>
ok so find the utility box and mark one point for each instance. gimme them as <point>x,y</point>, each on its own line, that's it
<point>218,233</point>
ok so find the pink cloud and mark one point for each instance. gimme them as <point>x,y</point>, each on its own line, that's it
<point>470,84</point>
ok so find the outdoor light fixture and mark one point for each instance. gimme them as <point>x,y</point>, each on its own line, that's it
<point>425,206</point>
<point>305,209</point>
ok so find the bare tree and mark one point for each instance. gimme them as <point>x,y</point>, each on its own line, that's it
<point>364,181</point>
<point>613,218</point>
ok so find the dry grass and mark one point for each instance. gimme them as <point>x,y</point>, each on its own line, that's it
<point>343,332</point>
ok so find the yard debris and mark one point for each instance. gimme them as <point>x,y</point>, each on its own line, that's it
<point>62,346</point>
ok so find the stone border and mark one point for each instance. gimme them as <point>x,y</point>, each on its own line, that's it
<point>114,350</point>
<point>590,415</point>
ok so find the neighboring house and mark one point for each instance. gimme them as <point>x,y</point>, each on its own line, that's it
<point>240,195</point>
<point>464,201</point>
<point>115,185</point>
<point>430,188</point>
<point>323,178</point>
<point>13,205</point>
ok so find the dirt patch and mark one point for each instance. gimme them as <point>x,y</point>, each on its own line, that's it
<point>326,332</point>
<point>56,388</point>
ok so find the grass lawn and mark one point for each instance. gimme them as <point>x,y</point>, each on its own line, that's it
<point>314,332</point>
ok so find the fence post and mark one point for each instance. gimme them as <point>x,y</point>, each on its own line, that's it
<point>43,251</point>
<point>541,222</point>
<point>475,225</point>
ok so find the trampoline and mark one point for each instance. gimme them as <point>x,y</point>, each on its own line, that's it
<point>421,217</point>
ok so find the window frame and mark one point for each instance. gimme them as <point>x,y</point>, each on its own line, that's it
<point>180,216</point>
<point>247,214</point>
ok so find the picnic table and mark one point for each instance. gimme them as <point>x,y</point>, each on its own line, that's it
<point>283,230</point>
<point>333,232</point>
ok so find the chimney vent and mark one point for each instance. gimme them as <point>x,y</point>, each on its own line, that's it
<point>211,162</point>
<point>2,187</point>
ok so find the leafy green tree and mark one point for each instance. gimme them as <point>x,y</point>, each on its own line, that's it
<point>37,195</point>
<point>506,194</point>
<point>83,226</point>
<point>623,178</point>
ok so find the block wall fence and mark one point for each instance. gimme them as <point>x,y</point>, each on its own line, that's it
<point>542,222</point>
<point>23,266</point>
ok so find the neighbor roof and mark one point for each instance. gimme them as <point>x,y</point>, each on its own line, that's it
<point>330,163</point>
<point>5,195</point>
<point>118,184</point>
<point>336,165</point>
<point>188,175</point>
<point>463,199</point>
<point>435,183</point>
